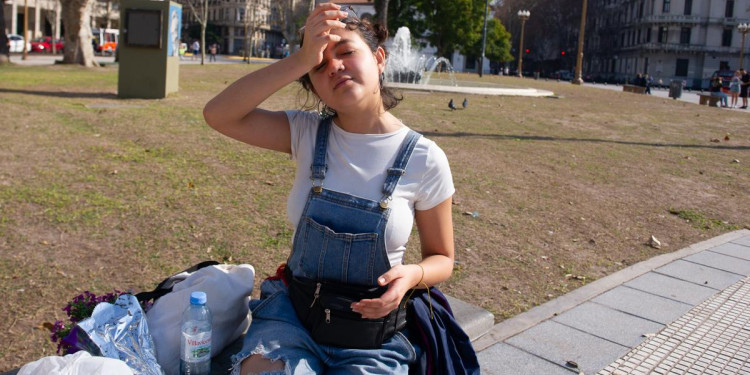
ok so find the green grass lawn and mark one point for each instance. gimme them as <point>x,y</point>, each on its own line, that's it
<point>98,193</point>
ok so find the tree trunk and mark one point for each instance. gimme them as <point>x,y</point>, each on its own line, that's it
<point>381,12</point>
<point>76,15</point>
<point>4,50</point>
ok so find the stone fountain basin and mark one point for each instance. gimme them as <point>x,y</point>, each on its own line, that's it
<point>504,91</point>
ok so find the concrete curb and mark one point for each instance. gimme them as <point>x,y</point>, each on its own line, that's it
<point>513,326</point>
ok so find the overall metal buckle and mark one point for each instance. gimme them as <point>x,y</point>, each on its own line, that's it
<point>385,201</point>
<point>317,188</point>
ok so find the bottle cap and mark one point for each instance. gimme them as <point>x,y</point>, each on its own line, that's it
<point>198,298</point>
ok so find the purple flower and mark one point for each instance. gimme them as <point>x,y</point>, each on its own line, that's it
<point>79,308</point>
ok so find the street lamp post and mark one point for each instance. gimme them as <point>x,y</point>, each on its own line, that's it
<point>743,28</point>
<point>578,80</point>
<point>484,37</point>
<point>524,15</point>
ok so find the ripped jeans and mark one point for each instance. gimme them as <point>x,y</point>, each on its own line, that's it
<point>277,334</point>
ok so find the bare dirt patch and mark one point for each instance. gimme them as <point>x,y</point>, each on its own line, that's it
<point>98,193</point>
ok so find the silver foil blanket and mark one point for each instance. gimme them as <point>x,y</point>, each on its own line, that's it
<point>120,331</point>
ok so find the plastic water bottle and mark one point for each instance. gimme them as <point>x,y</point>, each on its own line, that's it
<point>195,343</point>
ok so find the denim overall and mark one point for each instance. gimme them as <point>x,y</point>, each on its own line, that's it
<point>340,237</point>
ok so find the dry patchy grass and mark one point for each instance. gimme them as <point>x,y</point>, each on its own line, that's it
<point>98,193</point>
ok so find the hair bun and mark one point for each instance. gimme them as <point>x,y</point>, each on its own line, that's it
<point>380,32</point>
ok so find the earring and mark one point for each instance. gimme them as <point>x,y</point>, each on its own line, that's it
<point>326,111</point>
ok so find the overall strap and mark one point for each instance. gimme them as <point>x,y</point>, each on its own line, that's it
<point>399,167</point>
<point>319,166</point>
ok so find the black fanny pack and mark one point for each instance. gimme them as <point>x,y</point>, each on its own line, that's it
<point>324,308</point>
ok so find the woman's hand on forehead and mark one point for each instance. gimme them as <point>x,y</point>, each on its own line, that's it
<point>324,19</point>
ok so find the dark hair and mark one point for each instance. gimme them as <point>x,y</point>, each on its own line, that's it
<point>374,35</point>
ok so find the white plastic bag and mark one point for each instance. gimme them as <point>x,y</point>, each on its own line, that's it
<point>80,363</point>
<point>228,288</point>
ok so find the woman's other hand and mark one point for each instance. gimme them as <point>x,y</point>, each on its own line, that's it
<point>399,279</point>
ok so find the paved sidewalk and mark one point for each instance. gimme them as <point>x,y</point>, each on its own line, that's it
<point>47,59</point>
<point>686,312</point>
<point>688,96</point>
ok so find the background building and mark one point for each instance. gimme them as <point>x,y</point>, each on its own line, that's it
<point>265,25</point>
<point>44,17</point>
<point>686,40</point>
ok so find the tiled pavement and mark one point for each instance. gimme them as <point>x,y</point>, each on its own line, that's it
<point>686,312</point>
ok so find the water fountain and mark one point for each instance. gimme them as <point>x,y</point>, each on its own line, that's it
<point>407,68</point>
<point>407,65</point>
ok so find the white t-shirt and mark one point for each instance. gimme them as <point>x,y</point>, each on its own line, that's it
<point>358,165</point>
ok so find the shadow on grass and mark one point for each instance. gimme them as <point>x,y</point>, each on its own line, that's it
<point>62,94</point>
<point>591,140</point>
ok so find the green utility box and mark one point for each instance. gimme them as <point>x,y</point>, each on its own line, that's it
<point>149,48</point>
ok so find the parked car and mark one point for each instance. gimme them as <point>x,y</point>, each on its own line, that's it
<point>44,44</point>
<point>15,43</point>
<point>563,75</point>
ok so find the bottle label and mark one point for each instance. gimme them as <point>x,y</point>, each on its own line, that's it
<point>196,348</point>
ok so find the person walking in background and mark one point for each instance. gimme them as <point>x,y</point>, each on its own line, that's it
<point>183,49</point>
<point>744,85</point>
<point>734,88</point>
<point>212,50</point>
<point>648,81</point>
<point>196,49</point>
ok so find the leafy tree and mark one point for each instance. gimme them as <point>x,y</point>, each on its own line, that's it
<point>446,24</point>
<point>406,13</point>
<point>497,46</point>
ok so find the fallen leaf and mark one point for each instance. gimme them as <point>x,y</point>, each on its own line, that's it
<point>572,364</point>
<point>648,335</point>
<point>715,140</point>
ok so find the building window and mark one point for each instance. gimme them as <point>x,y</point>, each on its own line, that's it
<point>640,10</point>
<point>665,7</point>
<point>681,69</point>
<point>688,7</point>
<point>648,35</point>
<point>729,11</point>
<point>685,35</point>
<point>662,36</point>
<point>726,38</point>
